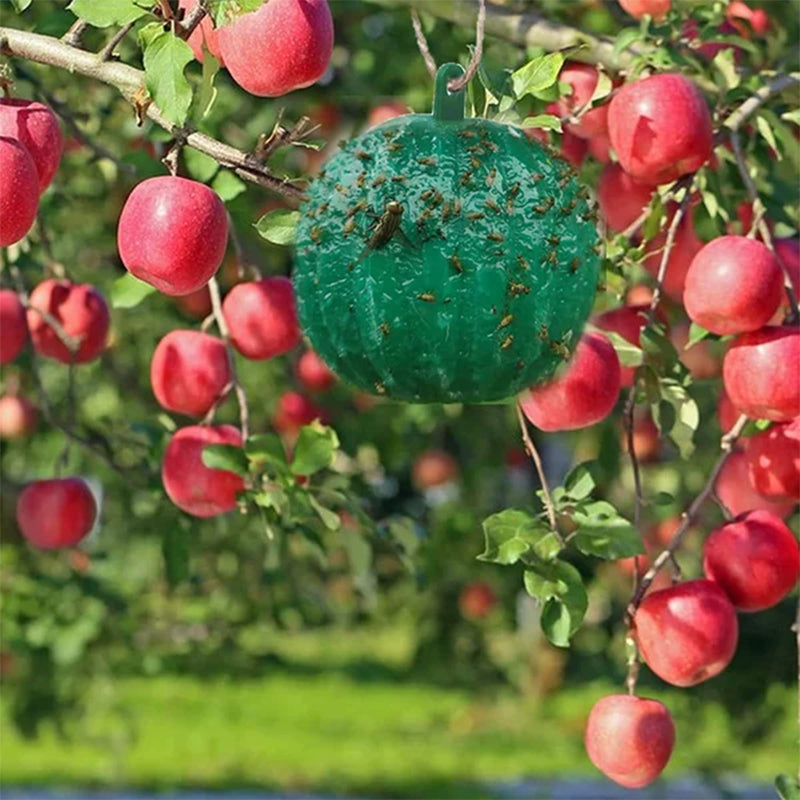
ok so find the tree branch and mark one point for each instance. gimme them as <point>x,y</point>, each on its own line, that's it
<point>525,29</point>
<point>778,84</point>
<point>131,84</point>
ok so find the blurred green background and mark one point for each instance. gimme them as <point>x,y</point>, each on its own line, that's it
<point>174,652</point>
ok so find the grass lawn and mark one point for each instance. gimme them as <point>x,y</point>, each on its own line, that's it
<point>331,727</point>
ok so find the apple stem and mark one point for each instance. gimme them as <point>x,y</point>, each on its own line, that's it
<point>533,453</point>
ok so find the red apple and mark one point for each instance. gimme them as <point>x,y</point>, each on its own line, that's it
<point>56,513</point>
<point>657,9</point>
<point>757,17</point>
<point>433,468</point>
<point>583,394</point>
<point>189,372</point>
<point>13,324</point>
<point>627,322</point>
<point>283,46</point>
<point>773,461</point>
<point>761,371</point>
<point>82,313</point>
<point>36,128</point>
<point>686,633</point>
<point>754,559</point>
<point>386,111</point>
<point>573,149</point>
<point>294,411</point>
<point>660,128</point>
<point>18,417</point>
<point>600,148</point>
<point>192,486</point>
<point>19,191</point>
<point>621,198</point>
<point>726,413</point>
<point>734,285</point>
<point>737,494</point>
<point>204,33</point>
<point>685,247</point>
<point>583,80</point>
<point>262,318</point>
<point>629,739</point>
<point>313,373</point>
<point>476,601</point>
<point>172,234</point>
<point>196,305</point>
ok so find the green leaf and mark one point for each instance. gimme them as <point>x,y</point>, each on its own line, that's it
<point>227,185</point>
<point>200,166</point>
<point>787,787</point>
<point>625,38</point>
<point>603,87</point>
<point>652,225</point>
<point>108,12</point>
<point>224,11</point>
<point>314,449</point>
<point>175,549</point>
<point>604,533</point>
<point>229,457</point>
<point>496,81</point>
<point>537,75</point>
<point>710,199</point>
<point>165,59</point>
<point>579,484</point>
<point>279,226</point>
<point>511,534</point>
<point>128,291</point>
<point>20,5</point>
<point>686,415</point>
<point>696,334</point>
<point>766,131</point>
<point>724,63</point>
<point>561,588</point>
<point>792,116</point>
<point>548,122</point>
<point>265,448</point>
<point>660,352</point>
<point>208,92</point>
<point>272,496</point>
<point>629,354</point>
<point>330,519</point>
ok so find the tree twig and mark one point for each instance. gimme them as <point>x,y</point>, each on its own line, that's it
<point>108,51</point>
<point>130,82</point>
<point>742,113</point>
<point>73,36</point>
<point>186,27</point>
<point>533,453</point>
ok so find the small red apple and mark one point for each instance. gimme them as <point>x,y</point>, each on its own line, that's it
<point>773,461</point>
<point>660,128</point>
<point>56,513</point>
<point>313,373</point>
<point>583,80</point>
<point>629,739</point>
<point>685,247</point>
<point>600,148</point>
<point>686,633</point>
<point>646,439</point>
<point>294,411</point>
<point>621,198</point>
<point>196,305</point>
<point>82,313</point>
<point>726,413</point>
<point>583,394</point>
<point>262,318</point>
<point>757,17</point>
<point>189,372</point>
<point>733,285</point>
<point>761,371</point>
<point>754,559</point>
<point>282,46</point>
<point>172,233</point>
<point>19,191</point>
<point>476,601</point>
<point>657,9</point>
<point>192,486</point>
<point>18,417</point>
<point>433,468</point>
<point>13,325</point>
<point>35,127</point>
<point>737,494</point>
<point>204,33</point>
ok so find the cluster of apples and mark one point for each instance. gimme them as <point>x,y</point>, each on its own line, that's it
<point>282,46</point>
<point>57,512</point>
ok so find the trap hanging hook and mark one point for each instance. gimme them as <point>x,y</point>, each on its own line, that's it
<point>448,106</point>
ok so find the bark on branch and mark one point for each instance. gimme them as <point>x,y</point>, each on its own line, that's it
<point>131,84</point>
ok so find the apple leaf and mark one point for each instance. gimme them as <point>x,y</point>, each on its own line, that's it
<point>548,122</point>
<point>626,37</point>
<point>128,291</point>
<point>107,13</point>
<point>510,534</point>
<point>629,354</point>
<point>229,457</point>
<point>537,75</point>
<point>684,412</point>
<point>696,334</point>
<point>200,166</point>
<point>279,226</point>
<point>765,130</point>
<point>725,64</point>
<point>272,497</point>
<point>165,59</point>
<point>561,588</point>
<point>579,484</point>
<point>266,448</point>
<point>208,92</point>
<point>227,185</point>
<point>604,533</point>
<point>20,5</point>
<point>787,787</point>
<point>314,449</point>
<point>330,519</point>
<point>224,11</point>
